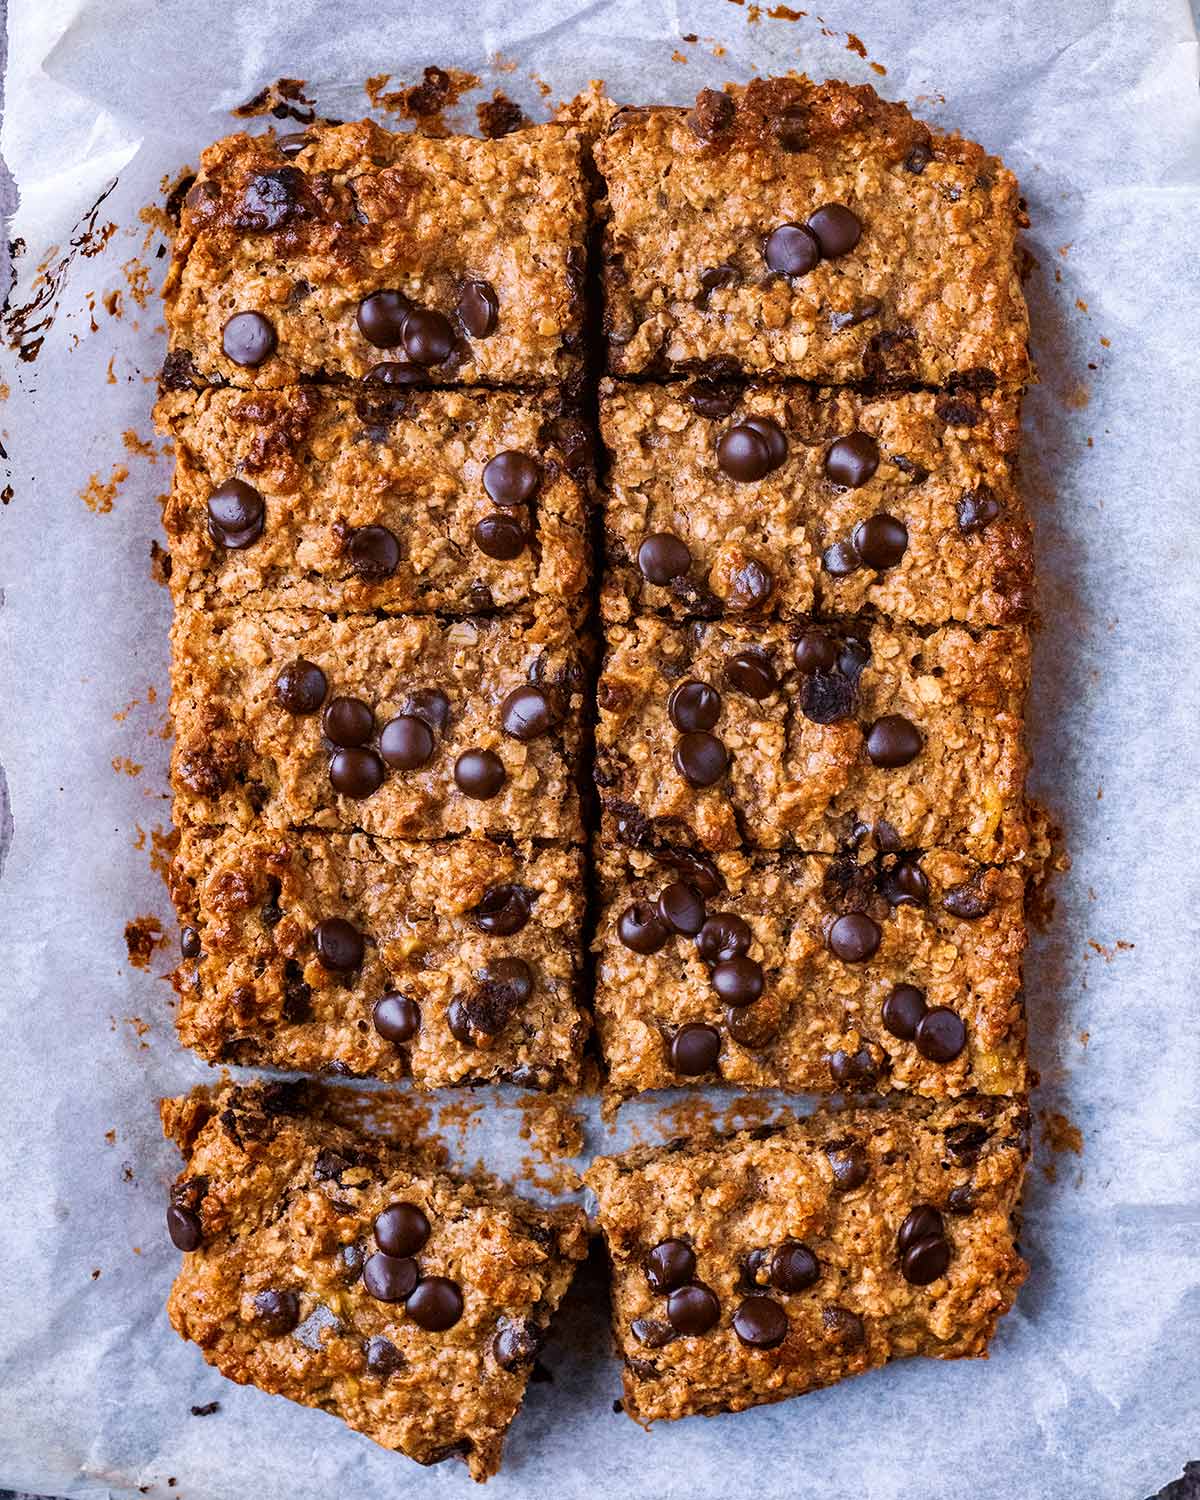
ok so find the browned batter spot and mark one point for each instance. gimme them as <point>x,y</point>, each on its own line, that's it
<point>142,936</point>
<point>424,103</point>
<point>126,767</point>
<point>785,13</point>
<point>552,1127</point>
<point>285,99</point>
<point>499,116</point>
<point>140,446</point>
<point>160,564</point>
<point>855,44</point>
<point>1061,1136</point>
<point>99,494</point>
<point>137,274</point>
<point>1049,857</point>
<point>112,302</point>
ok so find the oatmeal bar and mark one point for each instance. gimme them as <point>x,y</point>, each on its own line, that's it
<point>406,726</point>
<point>355,253</point>
<point>350,1273</point>
<point>405,501</point>
<point>447,962</point>
<point>758,1267</point>
<point>809,230</point>
<point>788,500</point>
<point>814,737</point>
<point>811,973</point>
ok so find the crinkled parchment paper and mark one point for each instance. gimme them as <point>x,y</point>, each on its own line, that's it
<point>1092,1388</point>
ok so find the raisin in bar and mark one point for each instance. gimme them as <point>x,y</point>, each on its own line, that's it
<point>761,1266</point>
<point>353,252</point>
<point>810,973</point>
<point>347,1272</point>
<point>809,230</point>
<point>779,500</point>
<point>406,726</point>
<point>814,737</point>
<point>405,501</point>
<point>447,962</point>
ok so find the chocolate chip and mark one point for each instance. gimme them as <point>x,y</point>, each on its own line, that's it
<point>527,713</point>
<point>841,559</point>
<point>184,1227</point>
<point>681,907</point>
<point>479,774</point>
<point>695,1049</point>
<point>374,553</point>
<point>694,706</point>
<point>713,277</point>
<point>692,1310</point>
<point>724,936</point>
<point>940,1035</point>
<point>504,986</point>
<point>348,722</point>
<point>712,116</point>
<point>478,308</point>
<point>854,937</point>
<point>961,1200</point>
<point>383,1358</point>
<point>406,742</point>
<point>903,1009</point>
<point>869,307</point>
<point>761,1323</point>
<point>236,514</point>
<point>881,541</point>
<point>641,929</point>
<point>751,672</point>
<point>905,884</point>
<point>401,1229</point>
<point>499,536</point>
<point>850,1165</point>
<point>512,478</point>
<point>815,652</point>
<point>300,687</point>
<point>696,869</point>
<point>843,1326</point>
<point>381,318</point>
<point>920,1223</point>
<point>340,946</point>
<point>791,249</point>
<point>394,372</point>
<point>662,556</point>
<point>977,509</point>
<point>701,759</point>
<point>837,230</point>
<point>851,461</point>
<point>850,1068</point>
<point>853,656</point>
<point>794,1267</point>
<point>738,981</point>
<point>918,158</point>
<point>293,143</point>
<point>276,1312</point>
<point>893,741</point>
<point>925,1260</point>
<point>428,337</point>
<point>189,942</point>
<point>750,585</point>
<point>248,339</point>
<point>967,902</point>
<point>671,1264</point>
<point>356,773</point>
<point>791,130</point>
<point>436,1305</point>
<point>827,697</point>
<point>503,910</point>
<point>713,400</point>
<point>744,453</point>
<point>390,1278</point>
<point>396,1018</point>
<point>651,1332</point>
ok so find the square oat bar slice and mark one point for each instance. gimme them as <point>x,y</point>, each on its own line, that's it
<point>408,726</point>
<point>789,228</point>
<point>814,737</point>
<point>357,252</point>
<point>350,1272</point>
<point>787,500</point>
<point>810,973</point>
<point>760,1266</point>
<point>452,961</point>
<point>450,501</point>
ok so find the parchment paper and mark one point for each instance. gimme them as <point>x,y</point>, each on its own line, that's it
<point>1092,1387</point>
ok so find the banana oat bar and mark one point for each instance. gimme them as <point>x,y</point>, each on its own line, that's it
<point>810,973</point>
<point>809,230</point>
<point>348,1272</point>
<point>407,726</point>
<point>447,962</point>
<point>355,253</point>
<point>757,500</point>
<point>754,1268</point>
<point>814,737</point>
<point>406,501</point>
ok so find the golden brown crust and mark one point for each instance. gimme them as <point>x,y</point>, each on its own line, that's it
<point>797,783</point>
<point>945,462</point>
<point>690,191</point>
<point>258,993</point>
<point>953,929</point>
<point>328,464</point>
<point>240,759</point>
<point>285,1201</point>
<point>304,240</point>
<point>758,1190</point>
